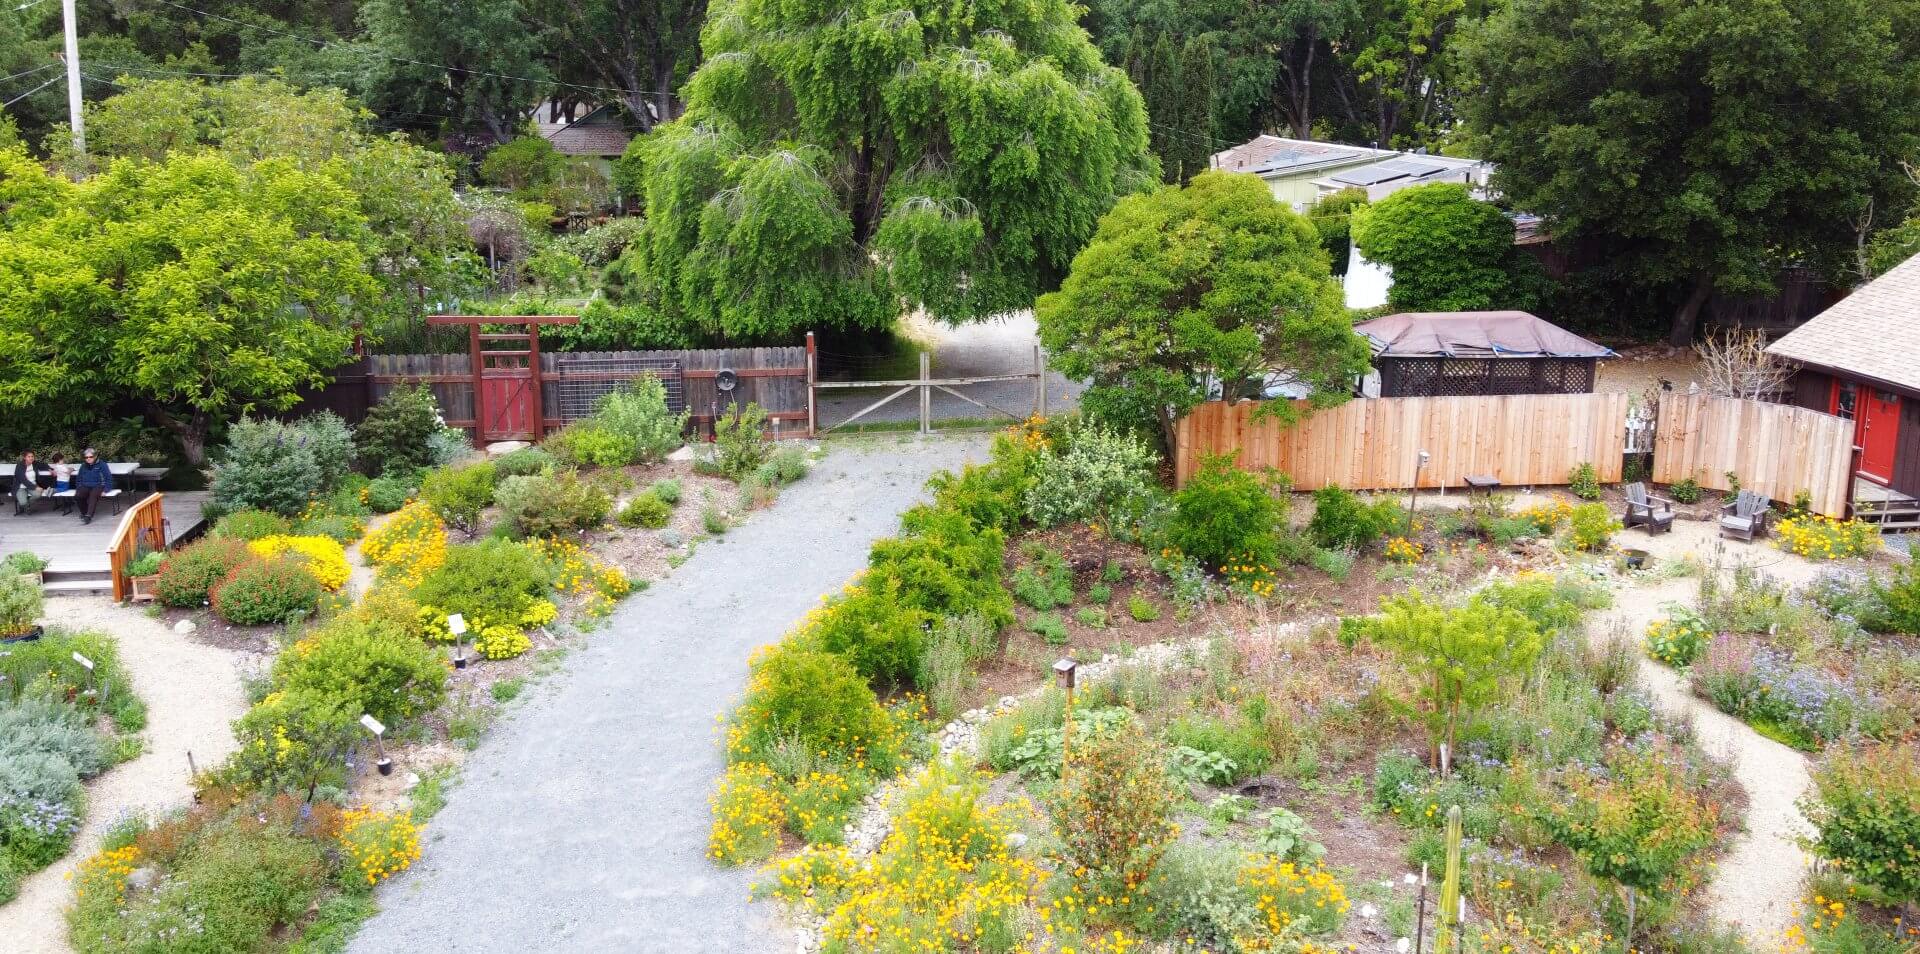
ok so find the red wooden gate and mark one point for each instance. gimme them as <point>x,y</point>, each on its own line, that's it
<point>506,374</point>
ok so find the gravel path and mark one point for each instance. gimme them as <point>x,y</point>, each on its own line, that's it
<point>1758,885</point>
<point>1001,345</point>
<point>581,823</point>
<point>193,693</point>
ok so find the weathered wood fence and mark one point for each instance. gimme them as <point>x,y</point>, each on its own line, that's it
<point>1375,444</point>
<point>1776,449</point>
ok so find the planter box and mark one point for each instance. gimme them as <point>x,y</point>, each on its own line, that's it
<point>26,637</point>
<point>144,588</point>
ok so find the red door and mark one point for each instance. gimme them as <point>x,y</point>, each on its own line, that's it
<point>1878,428</point>
<point>507,382</point>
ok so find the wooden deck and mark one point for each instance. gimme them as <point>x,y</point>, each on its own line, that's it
<point>73,547</point>
<point>1888,507</point>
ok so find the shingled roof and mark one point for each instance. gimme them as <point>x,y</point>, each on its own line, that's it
<point>1873,333</point>
<point>1474,334</point>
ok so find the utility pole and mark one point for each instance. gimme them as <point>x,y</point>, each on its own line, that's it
<point>74,115</point>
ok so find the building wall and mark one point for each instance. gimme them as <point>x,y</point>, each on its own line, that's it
<point>1906,450</point>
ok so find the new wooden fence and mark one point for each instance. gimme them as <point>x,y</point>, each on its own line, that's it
<point>1776,449</point>
<point>142,528</point>
<point>1375,444</point>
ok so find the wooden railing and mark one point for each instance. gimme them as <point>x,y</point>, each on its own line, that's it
<point>142,527</point>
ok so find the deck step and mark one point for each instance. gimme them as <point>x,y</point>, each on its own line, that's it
<point>76,582</point>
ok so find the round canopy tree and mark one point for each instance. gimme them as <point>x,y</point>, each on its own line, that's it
<point>839,163</point>
<point>1211,286</point>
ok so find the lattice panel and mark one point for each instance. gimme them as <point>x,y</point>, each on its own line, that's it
<point>587,380</point>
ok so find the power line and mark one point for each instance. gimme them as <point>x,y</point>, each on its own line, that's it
<point>30,92</point>
<point>30,72</point>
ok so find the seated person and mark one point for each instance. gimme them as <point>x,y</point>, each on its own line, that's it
<point>62,474</point>
<point>93,480</point>
<point>26,483</point>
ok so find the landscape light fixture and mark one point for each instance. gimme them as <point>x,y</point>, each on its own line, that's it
<point>86,664</point>
<point>457,625</point>
<point>1063,670</point>
<point>384,764</point>
<point>1413,494</point>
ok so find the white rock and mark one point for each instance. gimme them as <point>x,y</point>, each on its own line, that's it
<point>503,448</point>
<point>1016,840</point>
<point>184,627</point>
<point>413,778</point>
<point>684,453</point>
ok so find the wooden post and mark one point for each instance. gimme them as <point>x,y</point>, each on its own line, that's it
<point>533,366</point>
<point>926,395</point>
<point>1039,382</point>
<point>479,399</point>
<point>813,375</point>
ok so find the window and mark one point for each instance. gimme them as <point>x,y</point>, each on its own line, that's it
<point>1845,396</point>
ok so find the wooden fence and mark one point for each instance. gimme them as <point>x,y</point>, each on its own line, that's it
<point>774,378</point>
<point>1375,444</point>
<point>142,528</point>
<point>1776,449</point>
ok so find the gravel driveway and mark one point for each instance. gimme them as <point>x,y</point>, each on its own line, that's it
<point>581,822</point>
<point>1001,345</point>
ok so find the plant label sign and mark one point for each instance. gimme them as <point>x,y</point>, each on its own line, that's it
<point>373,725</point>
<point>82,660</point>
<point>457,624</point>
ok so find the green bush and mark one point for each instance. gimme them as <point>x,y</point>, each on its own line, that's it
<point>1141,609</point>
<point>267,591</point>
<point>1099,593</point>
<point>551,504</point>
<point>872,628</point>
<point>146,564</point>
<point>388,493</point>
<point>945,565</point>
<point>1865,812</point>
<point>266,465</point>
<point>1114,810</point>
<point>1590,526</point>
<point>525,462</point>
<point>1045,582</point>
<point>341,529</point>
<point>1049,627</point>
<point>587,444</point>
<point>1342,522</point>
<point>374,666</point>
<point>993,495</point>
<point>331,442</point>
<point>189,574</point>
<point>740,441</point>
<point>638,417</point>
<point>1584,482</point>
<point>713,520</point>
<point>1100,472</point>
<point>291,742</point>
<point>47,748</point>
<point>249,524</point>
<point>646,509</point>
<point>459,494</point>
<point>818,701</point>
<point>945,670</point>
<point>1223,515</point>
<point>1336,564</point>
<point>20,603</point>
<point>1684,491</point>
<point>784,466</point>
<point>667,489</point>
<point>22,561</point>
<point>491,583</point>
<point>1900,595</point>
<point>238,884</point>
<point>397,435</point>
<point>1242,743</point>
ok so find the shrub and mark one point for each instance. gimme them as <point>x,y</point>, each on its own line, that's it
<point>713,520</point>
<point>1824,538</point>
<point>740,441</point>
<point>1899,601</point>
<point>387,494</point>
<point>872,629</point>
<point>1242,743</point>
<point>331,443</point>
<point>587,444</point>
<point>1685,491</point>
<point>371,666</point>
<point>785,466</point>
<point>459,494</point>
<point>817,699</point>
<point>1584,482</point>
<point>552,504</point>
<point>1638,824</point>
<point>1590,527</point>
<point>944,672</point>
<point>1679,639</point>
<point>249,524</point>
<point>994,495</point>
<point>502,642</point>
<point>525,462</point>
<point>409,546</point>
<point>1099,593</point>
<point>1049,627</point>
<point>1113,810</point>
<point>944,565</point>
<point>1342,522</point>
<point>638,417</point>
<point>1336,564</point>
<point>1865,812</point>
<point>266,465</point>
<point>20,603</point>
<point>1458,654</point>
<point>379,844</point>
<point>323,557</point>
<point>490,583</point>
<point>1045,581</point>
<point>749,812</point>
<point>396,435</point>
<point>667,489</point>
<point>1288,838</point>
<point>1141,609</point>
<point>191,572</point>
<point>22,561</point>
<point>275,590</point>
<point>292,741</point>
<point>146,564</point>
<point>646,509</point>
<point>1099,472</point>
<point>1092,617</point>
<point>1224,515</point>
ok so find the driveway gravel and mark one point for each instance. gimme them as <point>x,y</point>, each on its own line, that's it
<point>1002,345</point>
<point>581,822</point>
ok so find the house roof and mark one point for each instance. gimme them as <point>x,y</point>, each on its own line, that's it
<point>1401,170</point>
<point>1274,155</point>
<point>1873,333</point>
<point>602,132</point>
<point>1474,334</point>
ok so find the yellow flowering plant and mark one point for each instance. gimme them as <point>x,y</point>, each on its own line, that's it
<point>410,545</point>
<point>1403,550</point>
<point>501,642</point>
<point>1293,901</point>
<point>1823,538</point>
<point>325,558</point>
<point>749,812</point>
<point>380,844</point>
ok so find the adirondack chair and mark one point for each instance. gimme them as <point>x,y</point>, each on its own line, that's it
<point>1746,516</point>
<point>1648,511</point>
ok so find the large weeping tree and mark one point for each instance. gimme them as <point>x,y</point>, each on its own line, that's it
<point>840,163</point>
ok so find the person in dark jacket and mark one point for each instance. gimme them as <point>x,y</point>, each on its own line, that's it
<point>26,476</point>
<point>92,480</point>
